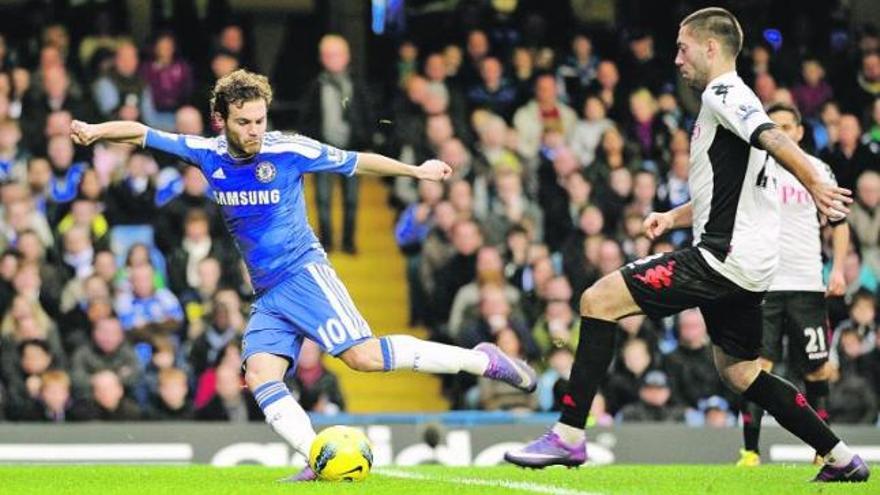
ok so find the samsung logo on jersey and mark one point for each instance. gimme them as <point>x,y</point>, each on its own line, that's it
<point>247,198</point>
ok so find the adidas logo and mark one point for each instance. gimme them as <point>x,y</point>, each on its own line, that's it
<point>218,174</point>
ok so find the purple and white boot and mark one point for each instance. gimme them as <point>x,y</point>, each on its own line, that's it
<point>855,471</point>
<point>504,368</point>
<point>307,474</point>
<point>548,450</point>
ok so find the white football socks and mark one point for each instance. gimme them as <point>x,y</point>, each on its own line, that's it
<point>285,416</point>
<point>840,455</point>
<point>404,352</point>
<point>569,434</point>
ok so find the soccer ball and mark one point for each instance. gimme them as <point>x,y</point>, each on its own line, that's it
<point>341,453</point>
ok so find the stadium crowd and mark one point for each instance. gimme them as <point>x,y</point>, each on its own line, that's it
<point>122,296</point>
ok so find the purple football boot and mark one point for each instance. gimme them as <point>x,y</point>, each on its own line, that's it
<point>548,450</point>
<point>855,471</point>
<point>507,369</point>
<point>305,475</point>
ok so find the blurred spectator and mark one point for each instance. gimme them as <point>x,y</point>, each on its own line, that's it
<point>813,90</point>
<point>122,93</point>
<point>229,357</point>
<point>411,231</point>
<point>554,378</point>
<point>864,86</point>
<point>653,405</point>
<point>13,156</point>
<point>232,402</point>
<point>225,328</point>
<point>642,67</point>
<point>57,94</point>
<point>171,402</point>
<point>53,403</point>
<point>588,132</point>
<point>691,366</point>
<point>108,401</point>
<point>495,317</point>
<point>147,310</point>
<point>542,115</point>
<point>493,92</point>
<point>862,322</point>
<point>558,326</point>
<point>622,387</point>
<point>458,270</point>
<point>577,71</point>
<point>646,129</point>
<point>607,87</point>
<point>510,206</point>
<point>437,248</point>
<point>864,218</point>
<point>490,271</point>
<point>477,48</point>
<point>336,110</point>
<point>169,78</point>
<point>171,217</point>
<point>131,199</point>
<point>198,245</point>
<point>713,412</point>
<point>24,385</point>
<point>316,387</point>
<point>849,157</point>
<point>108,351</point>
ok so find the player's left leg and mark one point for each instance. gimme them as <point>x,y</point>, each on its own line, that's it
<point>774,314</point>
<point>405,352</point>
<point>735,328</point>
<point>330,318</point>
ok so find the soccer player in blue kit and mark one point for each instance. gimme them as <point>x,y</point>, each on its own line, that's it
<point>256,177</point>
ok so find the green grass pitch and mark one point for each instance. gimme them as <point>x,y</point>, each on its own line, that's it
<point>620,479</point>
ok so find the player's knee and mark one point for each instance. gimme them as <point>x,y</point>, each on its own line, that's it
<point>362,357</point>
<point>593,304</point>
<point>739,377</point>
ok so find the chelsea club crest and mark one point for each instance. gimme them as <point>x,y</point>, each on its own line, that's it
<point>265,172</point>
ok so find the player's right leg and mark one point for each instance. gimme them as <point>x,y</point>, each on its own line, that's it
<point>565,443</point>
<point>270,347</point>
<point>735,328</point>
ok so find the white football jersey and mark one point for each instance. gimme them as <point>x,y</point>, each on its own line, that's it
<point>800,245</point>
<point>733,185</point>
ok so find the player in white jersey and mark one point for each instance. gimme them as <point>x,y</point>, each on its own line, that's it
<point>795,304</point>
<point>735,217</point>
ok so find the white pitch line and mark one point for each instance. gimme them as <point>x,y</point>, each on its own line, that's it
<point>513,485</point>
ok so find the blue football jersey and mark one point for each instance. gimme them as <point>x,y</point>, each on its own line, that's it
<point>262,196</point>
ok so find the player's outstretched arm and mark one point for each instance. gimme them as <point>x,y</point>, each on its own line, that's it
<point>830,199</point>
<point>118,131</point>
<point>373,164</point>
<point>658,223</point>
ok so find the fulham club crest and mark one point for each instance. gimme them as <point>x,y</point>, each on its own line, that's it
<point>265,172</point>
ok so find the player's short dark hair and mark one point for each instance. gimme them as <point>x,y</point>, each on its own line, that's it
<point>238,87</point>
<point>718,23</point>
<point>785,107</point>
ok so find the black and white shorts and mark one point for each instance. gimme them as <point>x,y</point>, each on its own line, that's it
<point>665,284</point>
<point>801,316</point>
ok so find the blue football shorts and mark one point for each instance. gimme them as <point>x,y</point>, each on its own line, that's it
<point>311,304</point>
